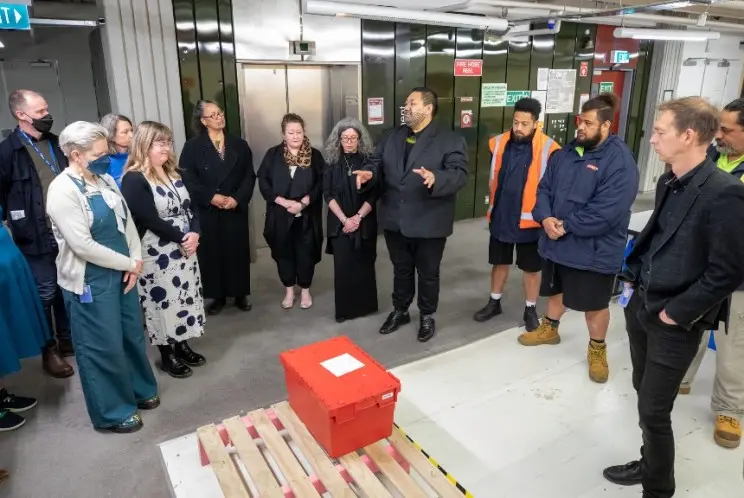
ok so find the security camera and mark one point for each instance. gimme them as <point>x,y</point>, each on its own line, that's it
<point>551,23</point>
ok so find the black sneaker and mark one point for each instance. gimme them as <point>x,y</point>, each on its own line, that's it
<point>13,403</point>
<point>490,310</point>
<point>531,320</point>
<point>10,421</point>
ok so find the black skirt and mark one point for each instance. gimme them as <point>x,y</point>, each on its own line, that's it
<point>355,283</point>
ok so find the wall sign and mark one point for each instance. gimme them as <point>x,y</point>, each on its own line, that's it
<point>468,67</point>
<point>466,119</point>
<point>561,91</point>
<point>512,96</point>
<point>620,56</point>
<point>583,69</point>
<point>541,96</point>
<point>375,111</point>
<point>493,95</point>
<point>606,86</point>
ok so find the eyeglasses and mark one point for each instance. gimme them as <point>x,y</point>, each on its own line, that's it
<point>164,144</point>
<point>349,140</point>
<point>215,115</point>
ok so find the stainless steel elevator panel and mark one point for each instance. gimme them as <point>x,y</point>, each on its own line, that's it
<point>321,95</point>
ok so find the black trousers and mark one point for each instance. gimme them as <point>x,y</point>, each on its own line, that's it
<point>661,355</point>
<point>296,264</point>
<point>423,256</point>
<point>44,270</point>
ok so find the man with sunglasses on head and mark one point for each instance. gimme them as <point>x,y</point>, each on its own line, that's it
<point>30,158</point>
<point>583,204</point>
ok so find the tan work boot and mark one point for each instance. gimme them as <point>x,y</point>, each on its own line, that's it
<point>596,357</point>
<point>728,432</point>
<point>544,334</point>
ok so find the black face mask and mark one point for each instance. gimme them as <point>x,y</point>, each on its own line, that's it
<point>43,125</point>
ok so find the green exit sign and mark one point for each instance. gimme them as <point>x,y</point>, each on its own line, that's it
<point>514,95</point>
<point>620,57</point>
<point>606,87</point>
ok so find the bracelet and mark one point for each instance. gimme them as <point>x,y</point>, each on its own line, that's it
<point>344,219</point>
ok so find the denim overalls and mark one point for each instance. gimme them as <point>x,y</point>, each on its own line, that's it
<point>107,333</point>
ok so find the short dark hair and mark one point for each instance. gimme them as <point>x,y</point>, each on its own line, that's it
<point>736,106</point>
<point>292,118</point>
<point>428,97</point>
<point>197,116</point>
<point>528,104</point>
<point>16,99</point>
<point>696,114</point>
<point>606,105</point>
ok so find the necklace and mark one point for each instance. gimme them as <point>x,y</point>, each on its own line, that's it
<point>348,166</point>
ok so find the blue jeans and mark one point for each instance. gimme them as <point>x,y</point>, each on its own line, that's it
<point>44,269</point>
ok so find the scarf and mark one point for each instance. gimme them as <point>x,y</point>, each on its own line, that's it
<point>304,156</point>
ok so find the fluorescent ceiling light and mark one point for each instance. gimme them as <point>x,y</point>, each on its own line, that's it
<point>666,34</point>
<point>394,14</point>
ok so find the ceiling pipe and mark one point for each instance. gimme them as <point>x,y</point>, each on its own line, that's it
<point>533,32</point>
<point>655,18</point>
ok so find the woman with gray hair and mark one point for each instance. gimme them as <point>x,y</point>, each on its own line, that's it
<point>352,221</point>
<point>120,131</point>
<point>97,267</point>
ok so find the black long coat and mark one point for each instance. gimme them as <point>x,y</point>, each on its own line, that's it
<point>224,246</point>
<point>274,180</point>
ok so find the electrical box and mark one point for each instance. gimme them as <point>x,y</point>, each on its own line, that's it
<point>302,47</point>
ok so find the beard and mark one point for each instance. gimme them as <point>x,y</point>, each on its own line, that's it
<point>414,119</point>
<point>522,139</point>
<point>589,142</point>
<point>724,149</point>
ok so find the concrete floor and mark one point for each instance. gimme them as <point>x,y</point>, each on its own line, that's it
<point>58,454</point>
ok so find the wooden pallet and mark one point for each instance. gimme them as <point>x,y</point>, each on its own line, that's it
<point>270,453</point>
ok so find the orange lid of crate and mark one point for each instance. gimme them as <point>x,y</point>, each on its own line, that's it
<point>339,372</point>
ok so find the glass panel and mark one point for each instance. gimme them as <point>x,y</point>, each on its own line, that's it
<point>641,78</point>
<point>210,57</point>
<point>188,59</point>
<point>229,69</point>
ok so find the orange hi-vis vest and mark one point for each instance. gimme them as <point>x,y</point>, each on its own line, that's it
<point>542,147</point>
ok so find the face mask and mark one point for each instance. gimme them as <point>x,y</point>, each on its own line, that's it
<point>43,125</point>
<point>100,166</point>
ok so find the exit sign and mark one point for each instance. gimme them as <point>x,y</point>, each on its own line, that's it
<point>620,56</point>
<point>14,16</point>
<point>468,67</point>
<point>514,96</point>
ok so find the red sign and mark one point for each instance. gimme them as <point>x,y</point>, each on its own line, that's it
<point>466,119</point>
<point>468,67</point>
<point>584,69</point>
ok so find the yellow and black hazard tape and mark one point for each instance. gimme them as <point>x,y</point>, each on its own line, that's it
<point>449,476</point>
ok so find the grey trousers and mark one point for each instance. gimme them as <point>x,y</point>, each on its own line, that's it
<point>728,386</point>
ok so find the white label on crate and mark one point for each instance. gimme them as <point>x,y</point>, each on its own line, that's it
<point>387,396</point>
<point>341,365</point>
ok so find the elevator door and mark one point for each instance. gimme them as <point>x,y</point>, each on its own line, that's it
<point>321,95</point>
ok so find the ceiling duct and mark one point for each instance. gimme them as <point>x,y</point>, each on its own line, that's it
<point>552,29</point>
<point>625,11</point>
<point>394,14</point>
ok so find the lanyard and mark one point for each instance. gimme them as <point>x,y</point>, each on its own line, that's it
<point>174,190</point>
<point>53,165</point>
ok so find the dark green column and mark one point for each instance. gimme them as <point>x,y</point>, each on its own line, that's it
<point>517,73</point>
<point>410,62</point>
<point>440,68</point>
<point>634,131</point>
<point>207,57</point>
<point>585,39</point>
<point>563,58</point>
<point>378,72</point>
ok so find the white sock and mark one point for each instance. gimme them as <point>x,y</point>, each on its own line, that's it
<point>495,296</point>
<point>530,304</point>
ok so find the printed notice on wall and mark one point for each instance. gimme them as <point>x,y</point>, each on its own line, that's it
<point>542,78</point>
<point>583,99</point>
<point>561,91</point>
<point>375,111</point>
<point>540,96</point>
<point>493,95</point>
<point>342,364</point>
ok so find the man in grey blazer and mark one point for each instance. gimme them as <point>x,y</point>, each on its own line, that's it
<point>420,168</point>
<point>683,267</point>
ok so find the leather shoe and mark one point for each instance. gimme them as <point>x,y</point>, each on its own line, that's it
<point>625,475</point>
<point>395,320</point>
<point>53,363</point>
<point>427,329</point>
<point>187,355</point>
<point>216,307</point>
<point>243,304</point>
<point>490,310</point>
<point>66,349</point>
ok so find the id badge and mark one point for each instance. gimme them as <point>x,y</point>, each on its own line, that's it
<point>86,296</point>
<point>625,296</point>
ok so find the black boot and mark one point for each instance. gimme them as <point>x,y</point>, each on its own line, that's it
<point>427,329</point>
<point>489,311</point>
<point>394,321</point>
<point>184,352</point>
<point>624,475</point>
<point>215,308</point>
<point>531,320</point>
<point>171,364</point>
<point>243,303</point>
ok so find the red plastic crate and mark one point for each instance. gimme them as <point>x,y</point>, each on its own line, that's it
<point>346,403</point>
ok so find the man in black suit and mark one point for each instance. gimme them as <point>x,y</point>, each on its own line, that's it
<point>421,167</point>
<point>684,265</point>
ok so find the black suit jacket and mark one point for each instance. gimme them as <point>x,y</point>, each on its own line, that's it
<point>406,204</point>
<point>701,260</point>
